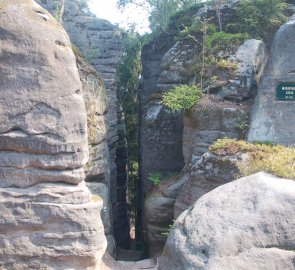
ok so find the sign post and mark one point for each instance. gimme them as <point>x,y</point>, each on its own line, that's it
<point>285,91</point>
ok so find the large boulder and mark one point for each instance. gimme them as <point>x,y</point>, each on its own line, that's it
<point>43,132</point>
<point>246,224</point>
<point>51,226</point>
<point>274,120</point>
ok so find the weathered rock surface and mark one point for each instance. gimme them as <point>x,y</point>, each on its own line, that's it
<point>101,44</point>
<point>43,225</point>
<point>94,94</point>
<point>169,139</point>
<point>209,120</point>
<point>43,122</point>
<point>103,192</point>
<point>273,120</point>
<point>159,212</point>
<point>50,226</point>
<point>246,224</point>
<point>250,59</point>
<point>203,175</point>
<point>158,139</point>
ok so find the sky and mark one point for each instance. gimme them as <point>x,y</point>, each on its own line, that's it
<point>106,9</point>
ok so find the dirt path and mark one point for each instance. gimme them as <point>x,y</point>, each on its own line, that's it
<point>110,264</point>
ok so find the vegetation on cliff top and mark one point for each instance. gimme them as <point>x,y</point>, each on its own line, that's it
<point>274,159</point>
<point>182,97</point>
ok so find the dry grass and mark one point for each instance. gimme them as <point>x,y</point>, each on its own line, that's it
<point>274,159</point>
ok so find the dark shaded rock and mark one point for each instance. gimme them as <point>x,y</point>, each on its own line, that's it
<point>159,212</point>
<point>161,139</point>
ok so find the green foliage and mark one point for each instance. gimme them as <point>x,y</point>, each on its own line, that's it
<point>133,180</point>
<point>274,159</point>
<point>243,125</point>
<point>227,64</point>
<point>195,30</point>
<point>160,10</point>
<point>129,72</point>
<point>155,178</point>
<point>182,97</point>
<point>168,230</point>
<point>222,40</point>
<point>56,14</point>
<point>260,18</point>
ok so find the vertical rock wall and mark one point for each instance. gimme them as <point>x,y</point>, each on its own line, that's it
<point>274,120</point>
<point>48,217</point>
<point>100,42</point>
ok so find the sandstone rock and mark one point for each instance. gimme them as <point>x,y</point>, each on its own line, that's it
<point>50,226</point>
<point>101,44</point>
<point>202,176</point>
<point>161,131</point>
<point>250,58</point>
<point>273,120</point>
<point>43,139</point>
<point>43,122</point>
<point>246,224</point>
<point>211,119</point>
<point>94,93</point>
<point>158,212</point>
<point>103,192</point>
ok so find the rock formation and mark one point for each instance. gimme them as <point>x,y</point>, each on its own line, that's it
<point>243,225</point>
<point>100,43</point>
<point>43,138</point>
<point>216,116</point>
<point>98,166</point>
<point>159,212</point>
<point>274,120</point>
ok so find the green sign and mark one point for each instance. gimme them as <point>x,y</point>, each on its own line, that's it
<point>286,91</point>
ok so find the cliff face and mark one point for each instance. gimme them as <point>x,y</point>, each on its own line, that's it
<point>271,119</point>
<point>169,139</point>
<point>49,219</point>
<point>100,43</point>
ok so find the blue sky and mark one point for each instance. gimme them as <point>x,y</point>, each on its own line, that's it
<point>107,9</point>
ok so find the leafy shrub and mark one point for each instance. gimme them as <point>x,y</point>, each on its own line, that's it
<point>274,159</point>
<point>182,97</point>
<point>155,178</point>
<point>195,30</point>
<point>260,18</point>
<point>226,64</point>
<point>221,40</point>
<point>168,230</point>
